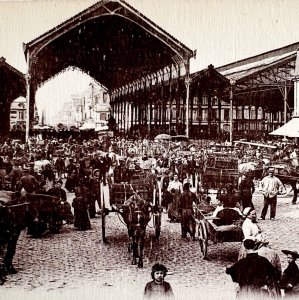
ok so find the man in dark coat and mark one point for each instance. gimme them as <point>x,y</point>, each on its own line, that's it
<point>81,209</point>
<point>185,208</point>
<point>95,184</point>
<point>253,272</point>
<point>60,166</point>
<point>290,278</point>
<point>246,188</point>
<point>29,182</point>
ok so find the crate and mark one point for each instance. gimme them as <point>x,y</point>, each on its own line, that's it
<point>8,197</point>
<point>119,192</point>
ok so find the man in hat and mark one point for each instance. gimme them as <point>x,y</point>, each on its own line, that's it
<point>253,272</point>
<point>290,277</point>
<point>250,227</point>
<point>175,184</point>
<point>271,186</point>
<point>63,207</point>
<point>28,182</point>
<point>185,207</point>
<point>246,188</point>
<point>230,200</point>
<point>227,211</point>
<point>60,166</point>
<point>158,288</point>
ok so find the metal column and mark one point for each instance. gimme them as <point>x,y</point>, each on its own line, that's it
<point>231,96</point>
<point>187,83</point>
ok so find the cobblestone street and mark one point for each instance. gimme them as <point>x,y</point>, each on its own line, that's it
<point>77,265</point>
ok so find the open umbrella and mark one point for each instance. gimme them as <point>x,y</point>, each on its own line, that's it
<point>162,136</point>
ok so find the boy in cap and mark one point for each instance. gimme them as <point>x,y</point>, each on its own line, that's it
<point>158,288</point>
<point>290,277</point>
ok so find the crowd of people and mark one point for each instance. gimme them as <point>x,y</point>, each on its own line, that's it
<point>42,167</point>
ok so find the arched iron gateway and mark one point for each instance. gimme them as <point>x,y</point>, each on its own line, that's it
<point>120,48</point>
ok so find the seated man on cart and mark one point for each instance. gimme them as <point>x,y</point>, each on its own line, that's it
<point>228,211</point>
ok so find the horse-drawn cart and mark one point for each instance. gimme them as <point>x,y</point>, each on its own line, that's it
<point>225,227</point>
<point>137,204</point>
<point>46,213</point>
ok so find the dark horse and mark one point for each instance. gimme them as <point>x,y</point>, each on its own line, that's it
<point>15,216</point>
<point>136,214</point>
<point>13,219</point>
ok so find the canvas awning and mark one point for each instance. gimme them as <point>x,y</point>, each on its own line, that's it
<point>290,129</point>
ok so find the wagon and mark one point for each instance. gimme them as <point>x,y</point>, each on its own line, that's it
<point>220,169</point>
<point>12,209</point>
<point>46,213</point>
<point>226,227</point>
<point>119,193</point>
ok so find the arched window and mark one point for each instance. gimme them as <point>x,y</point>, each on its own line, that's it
<point>204,99</point>
<point>246,112</point>
<point>205,115</point>
<point>252,113</point>
<point>240,113</point>
<point>260,113</point>
<point>234,113</point>
<point>195,101</point>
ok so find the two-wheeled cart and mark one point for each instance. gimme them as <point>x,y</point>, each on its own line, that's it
<point>225,227</point>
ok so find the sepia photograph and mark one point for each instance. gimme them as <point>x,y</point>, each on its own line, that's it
<point>149,149</point>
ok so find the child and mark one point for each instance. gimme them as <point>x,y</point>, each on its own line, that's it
<point>158,288</point>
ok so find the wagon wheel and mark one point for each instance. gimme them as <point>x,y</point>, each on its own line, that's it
<point>157,225</point>
<point>203,238</point>
<point>103,215</point>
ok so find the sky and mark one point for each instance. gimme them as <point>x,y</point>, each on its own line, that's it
<point>222,31</point>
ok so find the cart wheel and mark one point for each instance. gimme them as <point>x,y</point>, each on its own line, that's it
<point>203,238</point>
<point>157,233</point>
<point>157,225</point>
<point>103,215</point>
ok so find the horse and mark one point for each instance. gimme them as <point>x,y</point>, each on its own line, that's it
<point>13,219</point>
<point>136,214</point>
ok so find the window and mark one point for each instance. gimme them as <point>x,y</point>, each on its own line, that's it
<point>205,115</point>
<point>252,113</point>
<point>234,113</point>
<point>103,116</point>
<point>105,98</point>
<point>194,114</point>
<point>21,115</point>
<point>240,113</point>
<point>195,101</point>
<point>226,114</point>
<point>204,100</point>
<point>246,113</point>
<point>173,113</point>
<point>260,113</point>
